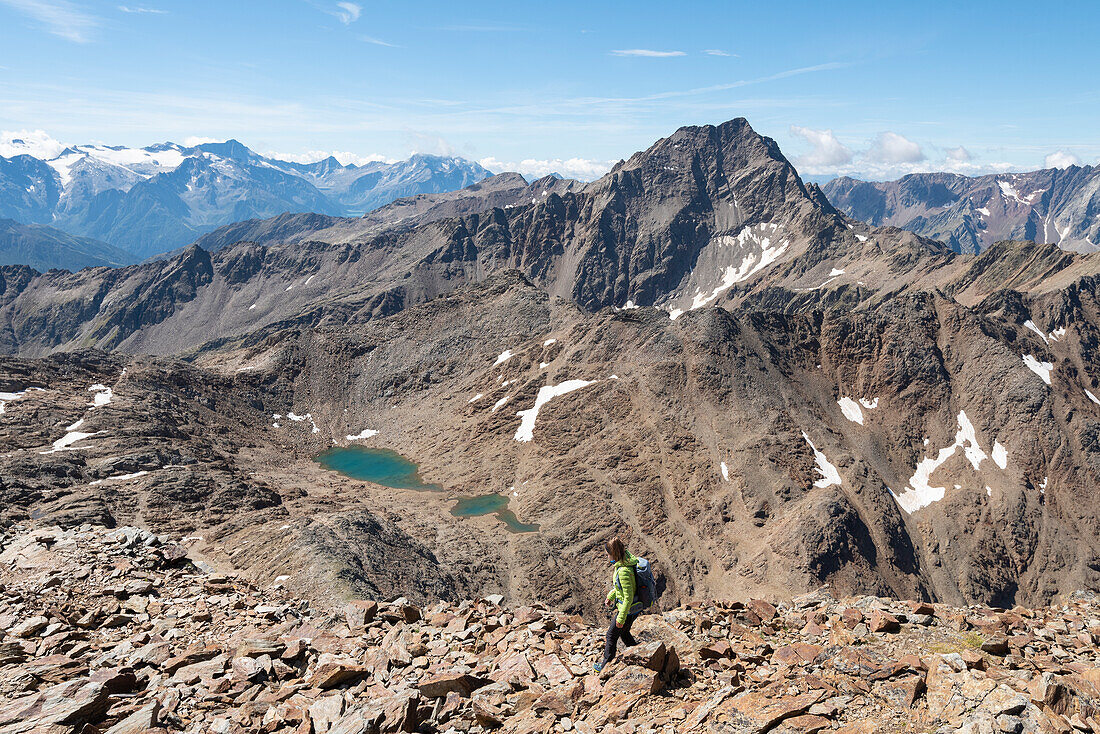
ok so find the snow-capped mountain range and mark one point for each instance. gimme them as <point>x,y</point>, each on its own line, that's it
<point>151,200</point>
<point>1057,205</point>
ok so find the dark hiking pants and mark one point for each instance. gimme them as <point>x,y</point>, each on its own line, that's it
<point>614,634</point>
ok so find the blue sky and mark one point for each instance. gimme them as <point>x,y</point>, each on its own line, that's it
<point>874,89</point>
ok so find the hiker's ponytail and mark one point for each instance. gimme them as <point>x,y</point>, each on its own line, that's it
<point>615,549</point>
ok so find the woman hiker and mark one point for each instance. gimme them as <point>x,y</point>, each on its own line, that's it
<point>622,598</point>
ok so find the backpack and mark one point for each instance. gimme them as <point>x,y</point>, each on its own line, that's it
<point>645,586</point>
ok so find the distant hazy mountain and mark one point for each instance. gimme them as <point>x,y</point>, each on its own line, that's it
<point>43,248</point>
<point>151,200</point>
<point>1059,206</point>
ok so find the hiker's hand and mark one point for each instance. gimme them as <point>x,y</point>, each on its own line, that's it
<point>607,603</point>
<point>618,624</point>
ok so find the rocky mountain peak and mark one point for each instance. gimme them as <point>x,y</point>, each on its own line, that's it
<point>731,160</point>
<point>234,149</point>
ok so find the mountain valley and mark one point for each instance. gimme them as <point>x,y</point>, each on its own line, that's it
<point>696,351</point>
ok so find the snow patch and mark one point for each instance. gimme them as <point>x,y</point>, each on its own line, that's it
<point>103,395</point>
<point>306,417</point>
<point>526,429</point>
<point>725,472</point>
<point>983,211</point>
<point>548,342</point>
<point>851,410</point>
<point>500,403</point>
<point>365,433</point>
<point>1009,192</point>
<point>829,474</point>
<point>475,398</point>
<point>920,493</point>
<point>72,435</point>
<point>861,238</point>
<point>1092,397</point>
<point>504,357</point>
<point>869,404</point>
<point>758,237</point>
<point>120,478</point>
<point>1031,325</point>
<point>11,397</point>
<point>835,272</point>
<point>999,455</point>
<point>1040,368</point>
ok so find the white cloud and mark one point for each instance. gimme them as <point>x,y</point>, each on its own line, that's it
<point>959,155</point>
<point>579,168</point>
<point>37,143</point>
<point>138,9</point>
<point>428,143</point>
<point>347,13</point>
<point>717,52</point>
<point>891,148</point>
<point>193,140</point>
<point>646,52</point>
<point>60,17</point>
<point>887,156</point>
<point>1061,159</point>
<point>377,41</point>
<point>345,157</point>
<point>827,152</point>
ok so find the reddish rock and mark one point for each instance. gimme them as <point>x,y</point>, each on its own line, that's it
<point>440,684</point>
<point>68,704</point>
<point>996,645</point>
<point>903,692</point>
<point>851,617</point>
<point>333,673</point>
<point>804,724</point>
<point>553,670</point>
<point>386,714</point>
<point>800,653</point>
<point>513,668</point>
<point>621,693</point>
<point>881,621</point>
<point>649,655</point>
<point>920,607</point>
<point>756,712</point>
<point>762,609</point>
<point>358,614</point>
<point>716,650</point>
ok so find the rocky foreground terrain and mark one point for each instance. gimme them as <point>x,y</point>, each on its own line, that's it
<point>119,631</point>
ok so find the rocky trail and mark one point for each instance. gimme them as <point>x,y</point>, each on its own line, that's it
<point>119,631</point>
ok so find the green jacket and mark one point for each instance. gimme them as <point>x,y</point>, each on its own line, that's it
<point>622,587</point>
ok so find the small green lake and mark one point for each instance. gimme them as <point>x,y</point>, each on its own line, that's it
<point>496,504</point>
<point>391,469</point>
<point>381,466</point>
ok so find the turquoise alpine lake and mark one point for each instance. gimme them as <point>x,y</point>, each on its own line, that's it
<point>496,504</point>
<point>381,466</point>
<point>391,469</point>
